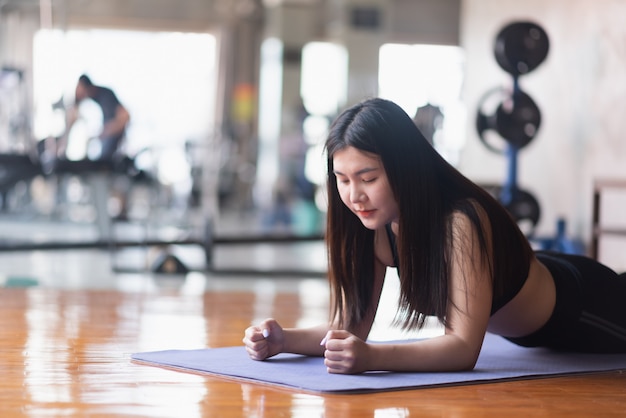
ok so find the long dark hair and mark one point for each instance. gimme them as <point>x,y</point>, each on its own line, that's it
<point>427,190</point>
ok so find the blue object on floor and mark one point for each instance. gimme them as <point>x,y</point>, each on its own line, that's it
<point>21,282</point>
<point>560,243</point>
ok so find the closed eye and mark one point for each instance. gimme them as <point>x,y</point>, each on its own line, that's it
<point>342,180</point>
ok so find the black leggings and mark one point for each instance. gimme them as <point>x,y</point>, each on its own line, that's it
<point>590,311</point>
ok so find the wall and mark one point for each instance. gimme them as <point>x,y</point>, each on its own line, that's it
<point>424,21</point>
<point>185,15</point>
<point>581,91</point>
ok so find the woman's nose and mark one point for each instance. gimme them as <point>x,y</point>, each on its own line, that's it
<point>356,194</point>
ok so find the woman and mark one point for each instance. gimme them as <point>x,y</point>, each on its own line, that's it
<point>393,201</point>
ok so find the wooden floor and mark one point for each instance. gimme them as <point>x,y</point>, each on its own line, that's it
<point>66,353</point>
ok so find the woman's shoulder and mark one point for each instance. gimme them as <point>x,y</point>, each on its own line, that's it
<point>469,220</point>
<point>467,211</point>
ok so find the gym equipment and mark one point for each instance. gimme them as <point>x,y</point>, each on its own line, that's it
<point>560,243</point>
<point>14,168</point>
<point>512,114</point>
<point>169,264</point>
<point>516,118</point>
<point>520,47</point>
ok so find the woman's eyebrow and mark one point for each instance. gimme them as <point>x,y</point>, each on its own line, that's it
<point>358,173</point>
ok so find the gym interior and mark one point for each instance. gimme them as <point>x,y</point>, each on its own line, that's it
<point>218,184</point>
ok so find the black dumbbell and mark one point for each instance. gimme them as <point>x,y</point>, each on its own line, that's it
<point>520,47</point>
<point>516,119</point>
<point>523,207</point>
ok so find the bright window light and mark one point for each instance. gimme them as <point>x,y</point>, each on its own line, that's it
<point>270,98</point>
<point>323,88</point>
<point>416,75</point>
<point>324,78</point>
<point>165,79</point>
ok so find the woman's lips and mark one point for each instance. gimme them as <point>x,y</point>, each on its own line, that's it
<point>365,213</point>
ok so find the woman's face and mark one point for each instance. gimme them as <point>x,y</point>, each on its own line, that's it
<point>364,188</point>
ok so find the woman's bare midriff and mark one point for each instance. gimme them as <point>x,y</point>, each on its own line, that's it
<point>530,309</point>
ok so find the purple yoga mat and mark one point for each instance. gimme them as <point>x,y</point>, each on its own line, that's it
<point>499,360</point>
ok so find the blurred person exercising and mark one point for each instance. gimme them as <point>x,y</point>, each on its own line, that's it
<point>115,120</point>
<point>115,117</point>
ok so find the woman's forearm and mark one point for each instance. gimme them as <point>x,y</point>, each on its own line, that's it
<point>305,341</point>
<point>437,354</point>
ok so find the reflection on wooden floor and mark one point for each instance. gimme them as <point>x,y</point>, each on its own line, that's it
<point>66,353</point>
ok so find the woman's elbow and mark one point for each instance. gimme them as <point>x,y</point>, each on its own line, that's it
<point>467,360</point>
<point>463,364</point>
<point>469,365</point>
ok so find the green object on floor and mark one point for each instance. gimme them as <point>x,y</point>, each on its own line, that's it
<point>21,282</point>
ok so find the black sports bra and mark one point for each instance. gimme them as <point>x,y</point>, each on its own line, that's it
<point>511,287</point>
